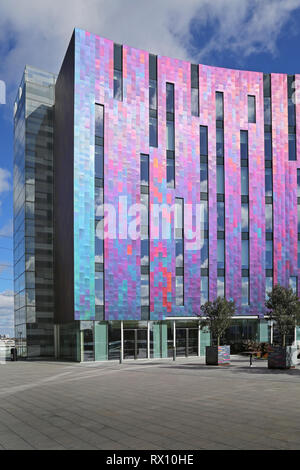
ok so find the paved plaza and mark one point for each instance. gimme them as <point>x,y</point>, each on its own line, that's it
<point>148,405</point>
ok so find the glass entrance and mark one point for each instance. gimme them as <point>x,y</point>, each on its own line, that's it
<point>186,342</point>
<point>135,344</point>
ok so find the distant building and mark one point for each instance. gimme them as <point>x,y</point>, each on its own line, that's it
<point>213,149</point>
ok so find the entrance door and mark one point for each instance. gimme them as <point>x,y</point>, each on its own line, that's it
<point>186,342</point>
<point>181,342</point>
<point>135,344</point>
<point>192,341</point>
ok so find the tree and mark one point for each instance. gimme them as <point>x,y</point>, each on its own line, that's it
<point>218,316</point>
<point>284,309</point>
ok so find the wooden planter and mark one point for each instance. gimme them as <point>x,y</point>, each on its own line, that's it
<point>282,358</point>
<point>217,355</point>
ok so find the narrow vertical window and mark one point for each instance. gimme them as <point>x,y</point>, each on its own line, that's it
<point>204,253</point>
<point>245,217</point>
<point>269,218</point>
<point>118,72</point>
<point>220,142</point>
<point>268,182</point>
<point>219,106</point>
<point>251,109</point>
<point>268,146</point>
<point>245,291</point>
<point>99,202</point>
<point>203,177</point>
<point>244,181</point>
<point>170,143</point>
<point>204,289</point>
<point>179,236</point>
<point>221,253</point>
<point>144,210</point>
<point>203,141</point>
<point>195,90</point>
<point>293,283</point>
<point>221,286</point>
<point>220,179</point>
<point>291,118</point>
<point>244,145</point>
<point>152,100</point>
<point>269,254</point>
<point>245,254</point>
<point>144,170</point>
<point>269,285</point>
<point>145,290</point>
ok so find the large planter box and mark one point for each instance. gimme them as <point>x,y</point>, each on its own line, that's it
<point>217,355</point>
<point>282,358</point>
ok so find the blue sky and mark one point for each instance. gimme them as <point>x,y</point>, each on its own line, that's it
<point>261,35</point>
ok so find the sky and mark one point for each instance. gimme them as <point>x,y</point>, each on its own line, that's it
<point>262,35</point>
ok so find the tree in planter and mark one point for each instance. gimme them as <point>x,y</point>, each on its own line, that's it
<point>284,309</point>
<point>218,316</point>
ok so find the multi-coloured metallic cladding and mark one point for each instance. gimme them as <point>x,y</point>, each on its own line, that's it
<point>126,137</point>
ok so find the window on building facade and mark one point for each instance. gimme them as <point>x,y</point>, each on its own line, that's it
<point>251,109</point>
<point>118,72</point>
<point>203,177</point>
<point>219,106</point>
<point>244,145</point>
<point>204,290</point>
<point>144,170</point>
<point>203,141</point>
<point>195,90</point>
<point>245,291</point>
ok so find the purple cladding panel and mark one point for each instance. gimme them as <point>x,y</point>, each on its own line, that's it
<point>126,136</point>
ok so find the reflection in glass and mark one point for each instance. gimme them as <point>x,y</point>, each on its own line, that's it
<point>203,215</point>
<point>269,182</point>
<point>170,136</point>
<point>245,291</point>
<point>144,170</point>
<point>153,132</point>
<point>245,254</point>
<point>152,94</point>
<point>267,111</point>
<point>204,253</point>
<point>195,101</point>
<point>269,254</point>
<point>170,97</point>
<point>221,254</point>
<point>251,109</point>
<point>269,285</point>
<point>179,290</point>
<point>99,288</point>
<point>220,142</point>
<point>179,253</point>
<point>220,179</point>
<point>244,181</point>
<point>170,172</point>
<point>118,85</point>
<point>145,302</point>
<point>219,106</point>
<point>204,289</point>
<point>269,218</point>
<point>221,216</point>
<point>220,286</point>
<point>99,161</point>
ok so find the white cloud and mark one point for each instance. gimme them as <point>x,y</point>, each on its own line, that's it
<point>7,313</point>
<point>4,180</point>
<point>7,229</point>
<point>39,31</point>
